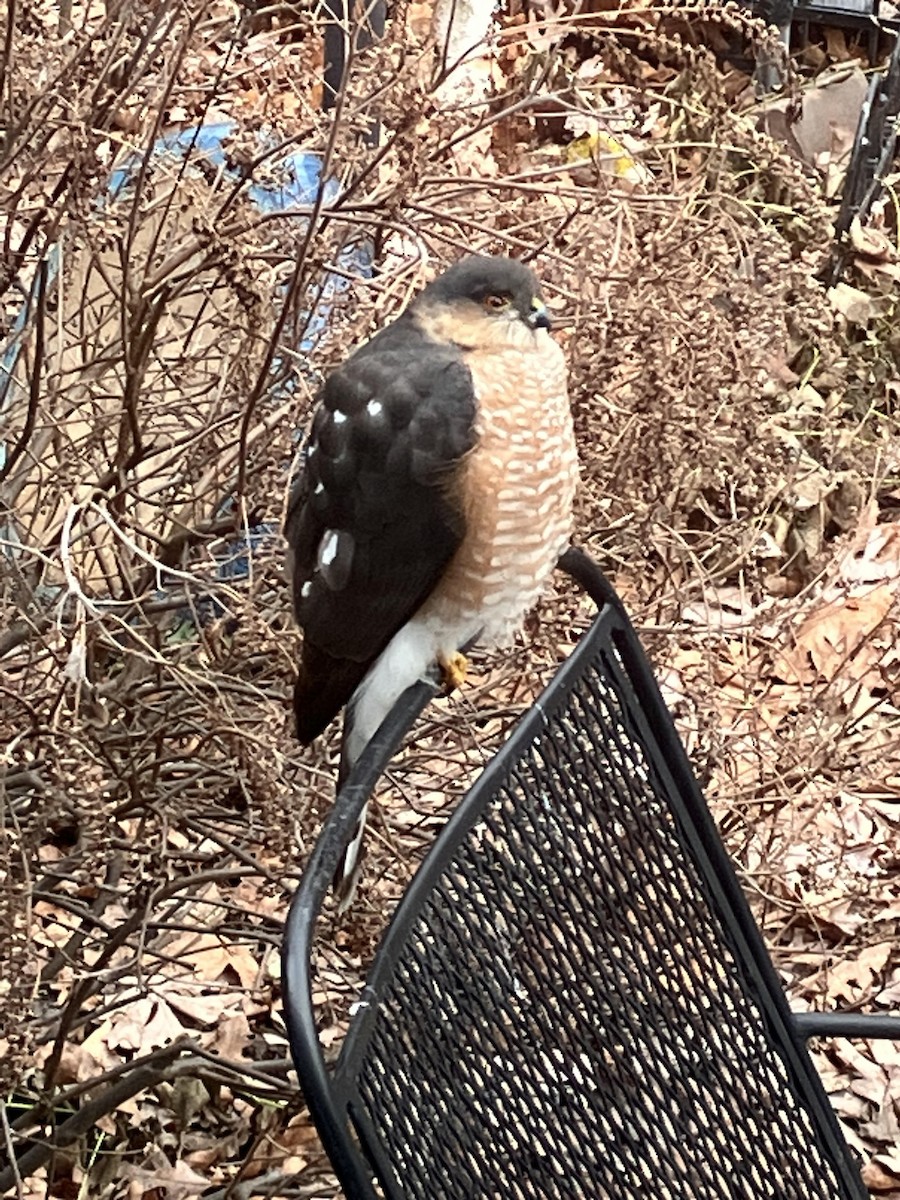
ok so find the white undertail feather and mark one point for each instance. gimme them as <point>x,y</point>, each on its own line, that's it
<point>347,875</point>
<point>408,657</point>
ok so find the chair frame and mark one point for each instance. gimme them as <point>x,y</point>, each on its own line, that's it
<point>330,1094</point>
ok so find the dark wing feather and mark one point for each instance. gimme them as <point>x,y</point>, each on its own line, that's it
<point>373,521</point>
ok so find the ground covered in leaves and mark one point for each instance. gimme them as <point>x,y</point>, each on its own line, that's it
<point>165,333</point>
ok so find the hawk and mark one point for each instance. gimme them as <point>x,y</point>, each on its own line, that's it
<point>434,499</point>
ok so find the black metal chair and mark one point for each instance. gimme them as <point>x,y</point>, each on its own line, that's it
<point>860,16</point>
<point>572,999</point>
<point>871,161</point>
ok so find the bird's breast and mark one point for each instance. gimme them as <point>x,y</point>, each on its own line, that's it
<point>516,489</point>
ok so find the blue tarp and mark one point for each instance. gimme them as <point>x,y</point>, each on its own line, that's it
<point>294,185</point>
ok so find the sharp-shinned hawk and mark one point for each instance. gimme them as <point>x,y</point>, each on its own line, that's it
<point>434,500</point>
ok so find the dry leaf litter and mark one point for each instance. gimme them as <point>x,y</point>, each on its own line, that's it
<point>737,425</point>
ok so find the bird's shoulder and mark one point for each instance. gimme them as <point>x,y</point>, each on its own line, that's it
<point>401,353</point>
<point>401,400</point>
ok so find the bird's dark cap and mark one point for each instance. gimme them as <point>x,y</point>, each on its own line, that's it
<point>483,275</point>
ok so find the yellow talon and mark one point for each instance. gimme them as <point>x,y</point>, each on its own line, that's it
<point>454,669</point>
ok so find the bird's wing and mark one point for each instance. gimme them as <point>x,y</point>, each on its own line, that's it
<point>374,518</point>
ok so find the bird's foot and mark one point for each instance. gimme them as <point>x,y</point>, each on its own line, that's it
<point>454,669</point>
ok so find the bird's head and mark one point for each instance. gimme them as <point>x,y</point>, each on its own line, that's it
<point>481,302</point>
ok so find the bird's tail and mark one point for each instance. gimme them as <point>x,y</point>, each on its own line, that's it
<point>407,658</point>
<point>346,875</point>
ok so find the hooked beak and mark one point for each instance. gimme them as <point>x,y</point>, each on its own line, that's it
<point>539,318</point>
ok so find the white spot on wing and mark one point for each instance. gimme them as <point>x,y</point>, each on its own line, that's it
<point>328,548</point>
<point>338,417</point>
<point>306,589</point>
<point>374,408</point>
<point>318,489</point>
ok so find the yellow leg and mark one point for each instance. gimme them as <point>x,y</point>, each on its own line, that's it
<point>454,668</point>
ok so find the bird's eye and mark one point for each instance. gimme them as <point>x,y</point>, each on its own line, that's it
<point>495,303</point>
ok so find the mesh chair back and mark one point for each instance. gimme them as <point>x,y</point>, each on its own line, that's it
<point>572,999</point>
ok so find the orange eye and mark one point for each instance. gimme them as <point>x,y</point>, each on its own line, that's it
<point>495,303</point>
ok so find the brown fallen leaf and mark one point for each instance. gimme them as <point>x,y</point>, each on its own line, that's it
<point>852,980</point>
<point>209,957</point>
<point>232,1037</point>
<point>870,242</point>
<point>169,1182</point>
<point>840,912</point>
<point>836,44</point>
<point>837,630</point>
<point>204,1009</point>
<point>878,1179</point>
<point>874,553</point>
<point>855,306</point>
